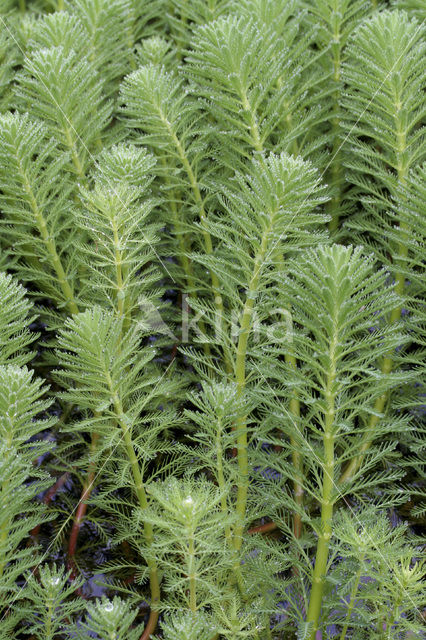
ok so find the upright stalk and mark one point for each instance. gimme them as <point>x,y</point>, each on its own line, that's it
<point>122,312</point>
<point>74,155</point>
<point>296,457</point>
<point>140,494</point>
<point>333,206</point>
<point>4,530</point>
<point>191,572</point>
<point>402,253</point>
<point>22,6</point>
<point>294,402</point>
<point>50,245</point>
<point>221,478</point>
<point>186,264</point>
<point>324,536</point>
<point>240,378</point>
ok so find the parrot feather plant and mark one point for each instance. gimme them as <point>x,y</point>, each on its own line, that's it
<point>212,320</point>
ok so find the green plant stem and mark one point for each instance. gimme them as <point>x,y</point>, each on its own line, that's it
<point>296,457</point>
<point>240,378</point>
<point>61,5</point>
<point>218,300</point>
<point>191,574</point>
<point>351,605</point>
<point>139,490</point>
<point>185,262</point>
<point>74,155</point>
<point>334,205</point>
<point>321,558</point>
<point>22,6</point>
<point>221,479</point>
<point>4,531</point>
<point>122,310</point>
<point>402,254</point>
<point>254,129</point>
<point>50,247</point>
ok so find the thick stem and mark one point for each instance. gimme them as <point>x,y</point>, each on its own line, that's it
<point>22,6</point>
<point>150,625</point>
<point>321,559</point>
<point>48,634</point>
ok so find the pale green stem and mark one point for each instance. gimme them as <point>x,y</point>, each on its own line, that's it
<point>254,129</point>
<point>191,574</point>
<point>391,619</point>
<point>352,599</point>
<point>74,154</point>
<point>402,253</point>
<point>334,205</point>
<point>218,300</point>
<point>183,258</point>
<point>22,6</point>
<point>49,615</point>
<point>4,529</point>
<point>139,490</point>
<point>122,312</point>
<point>50,247</point>
<point>221,478</point>
<point>61,5</point>
<point>324,536</point>
<point>240,378</point>
<point>296,457</point>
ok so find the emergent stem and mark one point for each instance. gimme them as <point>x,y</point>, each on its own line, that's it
<point>139,490</point>
<point>50,247</point>
<point>402,253</point>
<point>334,204</point>
<point>321,559</point>
<point>296,457</point>
<point>240,378</point>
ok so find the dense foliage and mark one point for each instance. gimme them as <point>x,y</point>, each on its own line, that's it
<point>212,319</point>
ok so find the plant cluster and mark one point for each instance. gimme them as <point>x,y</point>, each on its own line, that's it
<point>212,319</point>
